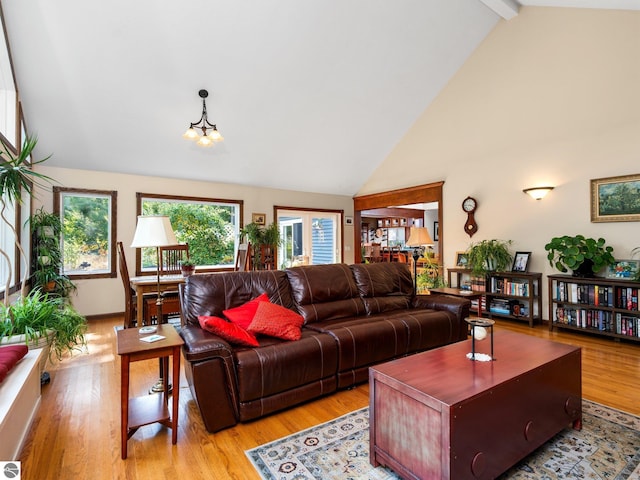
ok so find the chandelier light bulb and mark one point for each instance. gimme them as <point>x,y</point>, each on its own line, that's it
<point>215,136</point>
<point>204,141</point>
<point>190,134</point>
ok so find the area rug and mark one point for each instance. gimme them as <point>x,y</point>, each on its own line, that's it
<point>607,447</point>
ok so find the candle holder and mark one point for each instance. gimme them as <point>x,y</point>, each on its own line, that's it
<point>476,335</point>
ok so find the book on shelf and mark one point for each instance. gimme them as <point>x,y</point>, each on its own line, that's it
<point>584,318</point>
<point>597,295</point>
<point>627,325</point>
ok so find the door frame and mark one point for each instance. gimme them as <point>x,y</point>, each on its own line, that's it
<point>340,213</point>
<point>430,192</point>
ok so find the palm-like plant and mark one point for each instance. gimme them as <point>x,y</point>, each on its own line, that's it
<point>17,178</point>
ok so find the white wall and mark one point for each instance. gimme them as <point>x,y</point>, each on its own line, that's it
<point>550,97</point>
<point>104,296</point>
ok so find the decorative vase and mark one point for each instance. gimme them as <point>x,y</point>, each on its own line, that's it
<point>187,270</point>
<point>585,269</point>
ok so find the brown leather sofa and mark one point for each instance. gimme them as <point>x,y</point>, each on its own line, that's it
<point>355,316</point>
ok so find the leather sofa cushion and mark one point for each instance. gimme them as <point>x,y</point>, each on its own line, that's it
<point>279,365</point>
<point>384,286</point>
<point>210,294</point>
<point>324,292</point>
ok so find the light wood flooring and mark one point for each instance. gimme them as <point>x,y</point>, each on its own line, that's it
<point>76,434</point>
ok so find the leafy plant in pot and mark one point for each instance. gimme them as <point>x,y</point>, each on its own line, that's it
<point>43,321</point>
<point>46,229</point>
<point>187,267</point>
<point>260,236</point>
<point>17,178</point>
<point>584,256</point>
<point>489,256</point>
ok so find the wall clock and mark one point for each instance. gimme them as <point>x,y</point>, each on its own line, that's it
<point>469,205</point>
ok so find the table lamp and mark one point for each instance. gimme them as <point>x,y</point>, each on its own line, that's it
<point>418,238</point>
<point>155,231</point>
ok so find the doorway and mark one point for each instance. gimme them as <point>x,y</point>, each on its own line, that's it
<point>309,237</point>
<point>429,193</point>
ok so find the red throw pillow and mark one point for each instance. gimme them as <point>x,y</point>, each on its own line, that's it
<point>276,321</point>
<point>228,331</point>
<point>243,315</point>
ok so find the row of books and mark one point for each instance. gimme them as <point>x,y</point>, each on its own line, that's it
<point>599,295</point>
<point>601,320</point>
<point>584,318</point>
<point>627,298</point>
<point>509,287</point>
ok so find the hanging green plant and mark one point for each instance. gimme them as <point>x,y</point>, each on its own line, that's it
<point>17,178</point>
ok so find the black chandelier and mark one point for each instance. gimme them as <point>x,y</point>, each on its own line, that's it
<point>207,139</point>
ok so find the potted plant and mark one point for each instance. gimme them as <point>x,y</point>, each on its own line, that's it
<point>42,321</point>
<point>187,267</point>
<point>584,256</point>
<point>264,241</point>
<point>430,276</point>
<point>489,256</point>
<point>17,178</point>
<point>46,229</point>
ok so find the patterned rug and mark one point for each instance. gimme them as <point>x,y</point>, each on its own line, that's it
<point>607,447</point>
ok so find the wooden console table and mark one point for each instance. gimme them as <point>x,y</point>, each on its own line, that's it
<point>136,412</point>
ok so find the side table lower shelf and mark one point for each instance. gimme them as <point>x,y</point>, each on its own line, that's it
<point>146,410</point>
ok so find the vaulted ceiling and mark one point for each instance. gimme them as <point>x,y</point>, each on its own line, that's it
<point>309,95</point>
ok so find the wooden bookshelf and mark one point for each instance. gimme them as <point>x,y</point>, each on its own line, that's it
<point>602,306</point>
<point>509,295</point>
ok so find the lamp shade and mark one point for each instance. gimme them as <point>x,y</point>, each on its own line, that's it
<point>419,236</point>
<point>153,231</point>
<point>537,192</point>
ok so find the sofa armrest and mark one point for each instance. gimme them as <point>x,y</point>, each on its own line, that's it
<point>458,306</point>
<point>202,345</point>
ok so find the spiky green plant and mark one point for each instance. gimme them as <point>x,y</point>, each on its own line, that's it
<point>17,178</point>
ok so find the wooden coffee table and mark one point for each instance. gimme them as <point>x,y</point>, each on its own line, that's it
<point>438,414</point>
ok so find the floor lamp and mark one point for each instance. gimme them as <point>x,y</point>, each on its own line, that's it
<point>155,231</point>
<point>418,238</point>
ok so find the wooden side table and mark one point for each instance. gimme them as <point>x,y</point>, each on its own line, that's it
<point>139,411</point>
<point>457,292</point>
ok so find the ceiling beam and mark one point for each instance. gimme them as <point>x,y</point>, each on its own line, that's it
<point>507,9</point>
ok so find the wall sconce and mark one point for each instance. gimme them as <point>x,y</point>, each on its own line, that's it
<point>538,192</point>
<point>206,139</point>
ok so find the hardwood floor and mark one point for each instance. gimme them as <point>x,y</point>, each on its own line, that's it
<point>76,434</point>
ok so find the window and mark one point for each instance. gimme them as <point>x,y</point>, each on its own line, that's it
<point>88,231</point>
<point>211,227</point>
<point>309,237</point>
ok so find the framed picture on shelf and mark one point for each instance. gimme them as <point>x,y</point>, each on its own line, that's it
<point>259,218</point>
<point>462,259</point>
<point>520,262</point>
<point>624,269</point>
<point>615,199</point>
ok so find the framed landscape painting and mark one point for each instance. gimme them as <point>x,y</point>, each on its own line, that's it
<point>615,199</point>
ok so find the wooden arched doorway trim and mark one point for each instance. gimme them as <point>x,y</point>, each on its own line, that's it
<point>431,192</point>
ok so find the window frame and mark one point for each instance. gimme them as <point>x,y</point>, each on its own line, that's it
<point>182,198</point>
<point>58,192</point>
